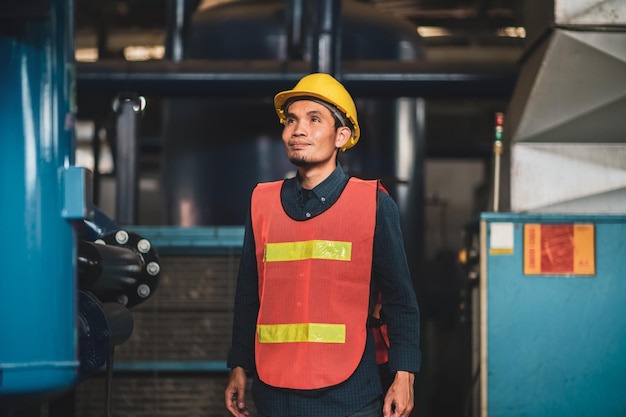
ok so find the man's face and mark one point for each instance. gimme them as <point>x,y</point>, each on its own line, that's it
<point>309,135</point>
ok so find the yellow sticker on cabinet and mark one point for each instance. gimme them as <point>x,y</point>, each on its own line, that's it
<point>559,249</point>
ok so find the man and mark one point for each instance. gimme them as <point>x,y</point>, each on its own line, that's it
<point>318,250</point>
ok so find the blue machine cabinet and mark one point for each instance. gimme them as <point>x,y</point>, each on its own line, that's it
<point>550,317</point>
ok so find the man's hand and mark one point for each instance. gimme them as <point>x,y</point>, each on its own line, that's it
<point>235,393</point>
<point>400,398</point>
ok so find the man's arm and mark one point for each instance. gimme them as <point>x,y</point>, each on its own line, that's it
<point>399,303</point>
<point>399,307</point>
<point>241,353</point>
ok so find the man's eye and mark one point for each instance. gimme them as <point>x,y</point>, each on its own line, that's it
<point>289,121</point>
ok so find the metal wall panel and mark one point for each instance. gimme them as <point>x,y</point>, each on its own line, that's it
<point>552,343</point>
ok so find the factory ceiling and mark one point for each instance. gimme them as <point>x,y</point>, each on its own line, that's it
<point>453,31</point>
<point>468,23</point>
<point>476,14</point>
<point>469,16</point>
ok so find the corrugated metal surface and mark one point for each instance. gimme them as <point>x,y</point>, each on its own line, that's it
<point>566,124</point>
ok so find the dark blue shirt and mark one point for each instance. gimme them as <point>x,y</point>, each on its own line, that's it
<point>391,277</point>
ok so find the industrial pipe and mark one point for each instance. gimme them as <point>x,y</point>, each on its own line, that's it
<point>326,50</point>
<point>129,108</point>
<point>105,268</point>
<point>121,267</point>
<point>100,327</point>
<point>370,79</point>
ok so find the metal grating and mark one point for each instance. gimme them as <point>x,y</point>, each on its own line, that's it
<point>188,319</point>
<point>156,396</point>
<point>166,335</point>
<point>190,315</point>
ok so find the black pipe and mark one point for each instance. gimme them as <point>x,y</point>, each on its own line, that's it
<point>178,17</point>
<point>128,108</point>
<point>104,268</point>
<point>122,267</point>
<point>121,322</point>
<point>294,23</point>
<point>326,51</point>
<point>176,25</point>
<point>373,79</point>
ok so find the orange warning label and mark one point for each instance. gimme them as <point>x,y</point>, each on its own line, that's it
<point>559,249</point>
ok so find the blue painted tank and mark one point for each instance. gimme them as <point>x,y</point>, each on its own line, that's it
<point>216,150</point>
<point>37,277</point>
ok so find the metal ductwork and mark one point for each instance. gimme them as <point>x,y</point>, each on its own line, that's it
<point>565,123</point>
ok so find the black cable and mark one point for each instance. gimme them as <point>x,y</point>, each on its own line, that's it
<point>109,378</point>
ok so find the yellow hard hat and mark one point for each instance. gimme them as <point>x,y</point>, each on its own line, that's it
<point>326,88</point>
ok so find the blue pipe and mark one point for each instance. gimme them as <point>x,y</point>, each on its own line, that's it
<point>38,210</point>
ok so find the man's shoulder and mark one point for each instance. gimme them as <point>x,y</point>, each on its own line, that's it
<point>263,189</point>
<point>386,203</point>
<point>269,184</point>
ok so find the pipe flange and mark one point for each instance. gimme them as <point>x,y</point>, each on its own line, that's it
<point>148,280</point>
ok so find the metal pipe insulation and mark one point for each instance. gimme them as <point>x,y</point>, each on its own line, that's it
<point>261,78</point>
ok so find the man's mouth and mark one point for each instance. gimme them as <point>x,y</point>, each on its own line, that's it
<point>298,145</point>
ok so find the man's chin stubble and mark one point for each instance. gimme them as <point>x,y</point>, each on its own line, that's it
<point>299,162</point>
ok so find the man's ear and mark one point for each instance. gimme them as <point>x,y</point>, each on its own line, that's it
<point>343,136</point>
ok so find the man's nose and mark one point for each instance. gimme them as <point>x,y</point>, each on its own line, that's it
<point>297,130</point>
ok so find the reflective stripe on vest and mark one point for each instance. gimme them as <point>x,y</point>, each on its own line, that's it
<point>314,287</point>
<point>312,249</point>
<point>301,332</point>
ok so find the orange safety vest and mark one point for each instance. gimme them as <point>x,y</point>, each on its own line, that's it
<point>314,286</point>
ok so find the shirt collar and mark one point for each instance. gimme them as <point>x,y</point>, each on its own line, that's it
<point>327,189</point>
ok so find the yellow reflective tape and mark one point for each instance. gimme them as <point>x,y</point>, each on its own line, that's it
<point>311,249</point>
<point>302,332</point>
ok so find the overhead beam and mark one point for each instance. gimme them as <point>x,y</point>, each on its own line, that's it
<point>204,78</point>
